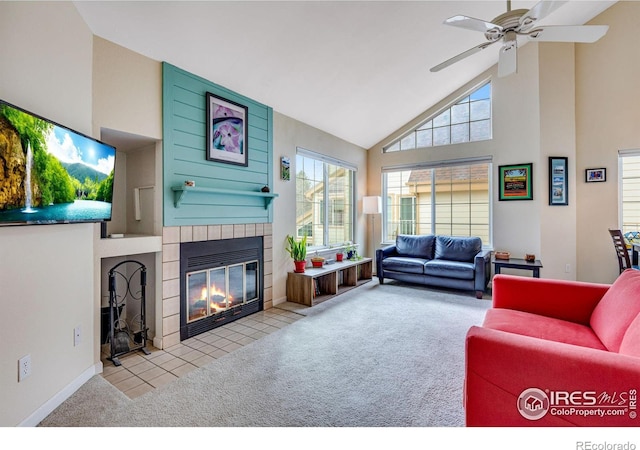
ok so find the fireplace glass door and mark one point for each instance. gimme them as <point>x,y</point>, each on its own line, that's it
<point>214,291</point>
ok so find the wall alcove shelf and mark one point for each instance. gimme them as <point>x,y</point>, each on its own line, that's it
<point>179,193</point>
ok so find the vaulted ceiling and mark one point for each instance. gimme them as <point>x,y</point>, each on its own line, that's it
<point>356,69</point>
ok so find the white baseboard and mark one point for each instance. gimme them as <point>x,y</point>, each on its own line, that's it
<point>46,409</point>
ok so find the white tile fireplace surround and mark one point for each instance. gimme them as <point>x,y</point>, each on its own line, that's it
<point>172,237</point>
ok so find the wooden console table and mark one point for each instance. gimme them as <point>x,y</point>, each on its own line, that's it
<point>316,285</point>
<point>517,263</point>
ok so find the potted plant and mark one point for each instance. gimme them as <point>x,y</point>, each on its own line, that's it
<point>352,251</point>
<point>298,251</point>
<point>317,260</point>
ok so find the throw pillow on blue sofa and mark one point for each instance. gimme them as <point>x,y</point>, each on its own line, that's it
<point>415,246</point>
<point>457,248</point>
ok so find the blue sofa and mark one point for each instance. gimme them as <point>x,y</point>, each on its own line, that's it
<point>436,260</point>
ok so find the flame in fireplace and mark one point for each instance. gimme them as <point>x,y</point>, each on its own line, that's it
<point>217,298</point>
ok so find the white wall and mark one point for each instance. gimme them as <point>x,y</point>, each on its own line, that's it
<point>46,272</point>
<point>127,94</point>
<point>607,120</point>
<point>288,134</point>
<point>557,138</point>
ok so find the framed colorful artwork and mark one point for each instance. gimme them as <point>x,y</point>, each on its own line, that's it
<point>516,182</point>
<point>227,131</point>
<point>285,168</point>
<point>595,175</point>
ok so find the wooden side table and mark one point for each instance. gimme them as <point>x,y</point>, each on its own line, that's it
<point>517,263</point>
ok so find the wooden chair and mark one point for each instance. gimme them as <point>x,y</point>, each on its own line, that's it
<point>624,260</point>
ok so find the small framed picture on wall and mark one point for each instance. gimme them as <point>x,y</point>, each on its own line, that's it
<point>595,175</point>
<point>558,181</point>
<point>285,168</point>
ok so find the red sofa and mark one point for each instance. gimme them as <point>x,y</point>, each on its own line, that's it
<point>556,353</point>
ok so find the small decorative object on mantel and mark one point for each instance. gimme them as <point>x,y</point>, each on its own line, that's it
<point>502,255</point>
<point>530,257</point>
<point>190,183</point>
<point>265,189</point>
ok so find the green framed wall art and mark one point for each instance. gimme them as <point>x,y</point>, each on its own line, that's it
<point>516,182</point>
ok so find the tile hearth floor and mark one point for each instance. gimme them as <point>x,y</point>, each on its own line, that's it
<point>140,373</point>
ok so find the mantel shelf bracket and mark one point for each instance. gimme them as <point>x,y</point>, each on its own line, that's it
<point>179,193</point>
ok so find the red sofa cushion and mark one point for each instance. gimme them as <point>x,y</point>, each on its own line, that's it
<point>630,344</point>
<point>542,327</point>
<point>619,306</point>
<point>573,301</point>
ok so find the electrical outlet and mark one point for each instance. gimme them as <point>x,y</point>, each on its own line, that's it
<point>24,367</point>
<point>567,268</point>
<point>77,336</point>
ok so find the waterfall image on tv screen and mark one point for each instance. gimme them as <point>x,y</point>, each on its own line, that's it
<point>51,174</point>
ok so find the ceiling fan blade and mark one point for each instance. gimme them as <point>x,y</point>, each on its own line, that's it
<point>539,11</point>
<point>508,59</point>
<point>469,23</point>
<point>568,33</point>
<point>461,56</point>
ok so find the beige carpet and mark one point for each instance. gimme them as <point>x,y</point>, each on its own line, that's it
<point>387,355</point>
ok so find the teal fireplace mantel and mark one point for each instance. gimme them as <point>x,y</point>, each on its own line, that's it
<point>180,192</point>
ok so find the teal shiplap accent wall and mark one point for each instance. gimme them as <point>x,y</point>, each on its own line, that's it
<point>184,156</point>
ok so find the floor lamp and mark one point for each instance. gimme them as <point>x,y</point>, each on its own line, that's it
<point>372,205</point>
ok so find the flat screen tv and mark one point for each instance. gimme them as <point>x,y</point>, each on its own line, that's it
<point>50,174</point>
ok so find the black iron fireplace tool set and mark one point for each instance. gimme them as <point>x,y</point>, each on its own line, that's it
<point>126,336</point>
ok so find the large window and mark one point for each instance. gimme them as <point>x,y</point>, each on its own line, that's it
<point>630,191</point>
<point>447,198</point>
<point>324,199</point>
<point>467,120</point>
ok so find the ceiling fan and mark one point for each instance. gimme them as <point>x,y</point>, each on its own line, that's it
<point>520,22</point>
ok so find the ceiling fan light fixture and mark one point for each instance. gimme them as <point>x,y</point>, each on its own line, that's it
<point>509,25</point>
